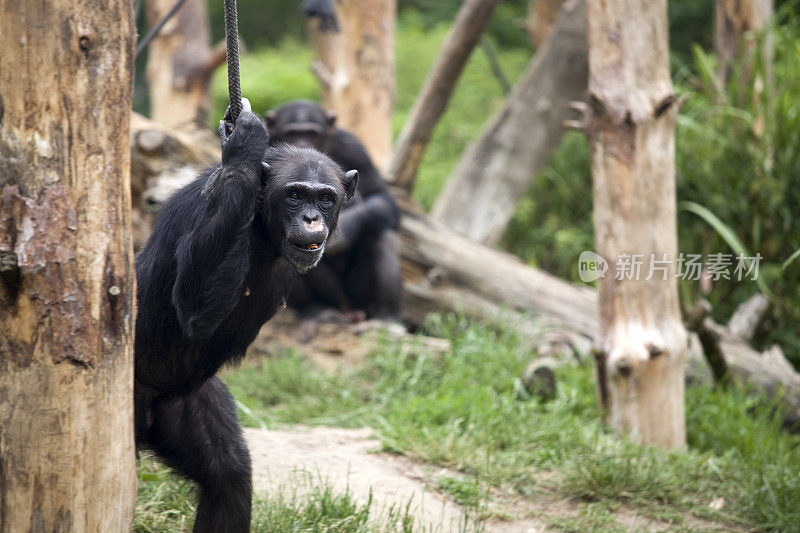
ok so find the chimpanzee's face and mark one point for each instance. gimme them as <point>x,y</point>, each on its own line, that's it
<point>304,193</point>
<point>301,123</point>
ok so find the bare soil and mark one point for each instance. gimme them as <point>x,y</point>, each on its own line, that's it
<point>350,459</point>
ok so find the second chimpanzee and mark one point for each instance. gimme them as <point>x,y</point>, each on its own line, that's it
<point>361,269</point>
<point>219,263</point>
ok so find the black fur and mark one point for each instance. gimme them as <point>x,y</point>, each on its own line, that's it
<point>361,270</point>
<point>219,263</point>
<point>325,11</point>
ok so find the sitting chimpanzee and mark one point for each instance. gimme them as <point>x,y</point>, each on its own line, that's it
<point>219,263</point>
<point>361,269</point>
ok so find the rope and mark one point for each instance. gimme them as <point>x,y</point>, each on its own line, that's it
<point>154,31</point>
<point>232,55</point>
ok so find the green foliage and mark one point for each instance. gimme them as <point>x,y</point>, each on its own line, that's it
<point>269,78</point>
<point>507,27</point>
<point>738,156</point>
<point>165,502</point>
<point>552,224</point>
<point>460,410</point>
<point>691,22</point>
<point>741,190</point>
<point>468,492</point>
<point>261,22</point>
<point>477,96</point>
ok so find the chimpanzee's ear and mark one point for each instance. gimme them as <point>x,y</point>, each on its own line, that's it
<point>330,116</point>
<point>269,118</point>
<point>350,185</point>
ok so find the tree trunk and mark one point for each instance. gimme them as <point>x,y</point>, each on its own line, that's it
<point>180,63</point>
<point>67,283</point>
<point>480,196</point>
<point>542,14</point>
<point>735,24</point>
<point>641,339</point>
<point>472,20</point>
<point>358,74</point>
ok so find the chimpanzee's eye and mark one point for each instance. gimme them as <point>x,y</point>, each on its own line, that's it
<point>326,198</point>
<point>294,196</point>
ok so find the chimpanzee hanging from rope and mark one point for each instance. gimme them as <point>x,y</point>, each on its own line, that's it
<point>219,263</point>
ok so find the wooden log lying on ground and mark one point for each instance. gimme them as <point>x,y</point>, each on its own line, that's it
<point>446,271</point>
<point>731,357</point>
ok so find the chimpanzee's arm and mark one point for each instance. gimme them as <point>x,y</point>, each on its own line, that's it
<point>213,257</point>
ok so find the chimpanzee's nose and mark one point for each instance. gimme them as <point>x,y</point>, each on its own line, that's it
<point>312,222</point>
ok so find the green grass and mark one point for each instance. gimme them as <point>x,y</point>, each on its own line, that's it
<point>460,410</point>
<point>165,504</point>
<point>477,96</point>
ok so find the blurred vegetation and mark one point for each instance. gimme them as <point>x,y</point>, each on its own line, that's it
<point>269,78</point>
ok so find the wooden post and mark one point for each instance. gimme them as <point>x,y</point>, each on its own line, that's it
<point>735,24</point>
<point>357,76</point>
<point>542,15</point>
<point>472,20</point>
<point>67,285</point>
<point>497,168</point>
<point>180,63</point>
<point>641,339</point>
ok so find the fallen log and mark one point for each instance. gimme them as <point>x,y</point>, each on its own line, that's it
<point>444,271</point>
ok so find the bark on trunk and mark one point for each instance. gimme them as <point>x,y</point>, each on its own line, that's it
<point>356,71</point>
<point>500,166</point>
<point>641,339</point>
<point>67,284</point>
<point>325,41</point>
<point>180,63</point>
<point>473,18</point>
<point>445,271</point>
<point>735,24</point>
<point>542,14</point>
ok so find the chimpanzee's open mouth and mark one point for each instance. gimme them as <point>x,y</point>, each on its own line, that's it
<point>311,247</point>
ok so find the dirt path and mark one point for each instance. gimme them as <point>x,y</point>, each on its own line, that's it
<point>350,459</point>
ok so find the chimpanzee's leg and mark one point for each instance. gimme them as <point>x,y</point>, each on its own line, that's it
<point>199,436</point>
<point>374,281</point>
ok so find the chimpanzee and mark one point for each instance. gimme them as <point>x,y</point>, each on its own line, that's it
<point>221,258</point>
<point>361,269</point>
